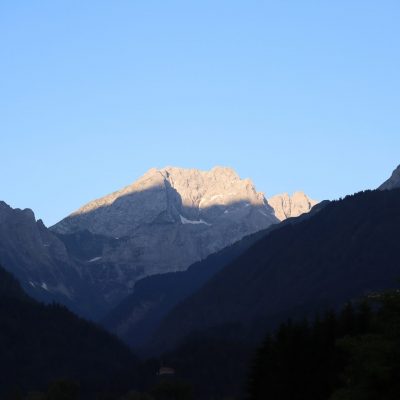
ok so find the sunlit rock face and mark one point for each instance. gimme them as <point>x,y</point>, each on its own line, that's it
<point>393,182</point>
<point>286,206</point>
<point>165,221</point>
<point>172,196</point>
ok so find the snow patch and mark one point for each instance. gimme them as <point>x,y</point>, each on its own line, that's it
<point>190,221</point>
<point>95,259</point>
<point>44,286</point>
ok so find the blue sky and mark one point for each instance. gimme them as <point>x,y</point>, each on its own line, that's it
<point>293,94</point>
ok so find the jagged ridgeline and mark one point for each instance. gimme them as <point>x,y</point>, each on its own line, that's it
<point>165,221</point>
<point>42,264</point>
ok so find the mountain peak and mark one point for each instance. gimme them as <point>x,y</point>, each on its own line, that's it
<point>217,172</point>
<point>287,206</point>
<point>171,192</point>
<point>6,210</point>
<point>228,171</point>
<point>166,220</point>
<point>393,182</point>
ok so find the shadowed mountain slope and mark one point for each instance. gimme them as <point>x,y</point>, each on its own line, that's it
<point>393,182</point>
<point>40,343</point>
<point>42,264</point>
<point>137,317</point>
<point>346,250</point>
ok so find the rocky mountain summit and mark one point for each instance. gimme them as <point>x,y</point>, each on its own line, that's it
<point>170,196</point>
<point>286,206</point>
<point>165,221</point>
<point>393,182</point>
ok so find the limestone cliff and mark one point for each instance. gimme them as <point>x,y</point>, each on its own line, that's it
<point>287,206</point>
<point>166,221</point>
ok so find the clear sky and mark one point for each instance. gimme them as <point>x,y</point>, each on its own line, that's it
<point>293,94</point>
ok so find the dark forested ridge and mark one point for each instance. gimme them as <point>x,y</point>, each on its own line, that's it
<point>346,250</point>
<point>42,343</point>
<point>345,356</point>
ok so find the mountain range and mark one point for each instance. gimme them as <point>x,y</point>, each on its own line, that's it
<point>191,266</point>
<point>167,220</point>
<point>140,314</point>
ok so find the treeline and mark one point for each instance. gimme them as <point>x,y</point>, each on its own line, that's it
<point>350,355</point>
<point>48,353</point>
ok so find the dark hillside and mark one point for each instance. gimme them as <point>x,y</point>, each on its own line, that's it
<point>42,343</point>
<point>347,249</point>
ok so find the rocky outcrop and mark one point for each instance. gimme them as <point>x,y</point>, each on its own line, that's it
<point>165,221</point>
<point>41,262</point>
<point>169,196</point>
<point>286,206</point>
<point>393,182</point>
